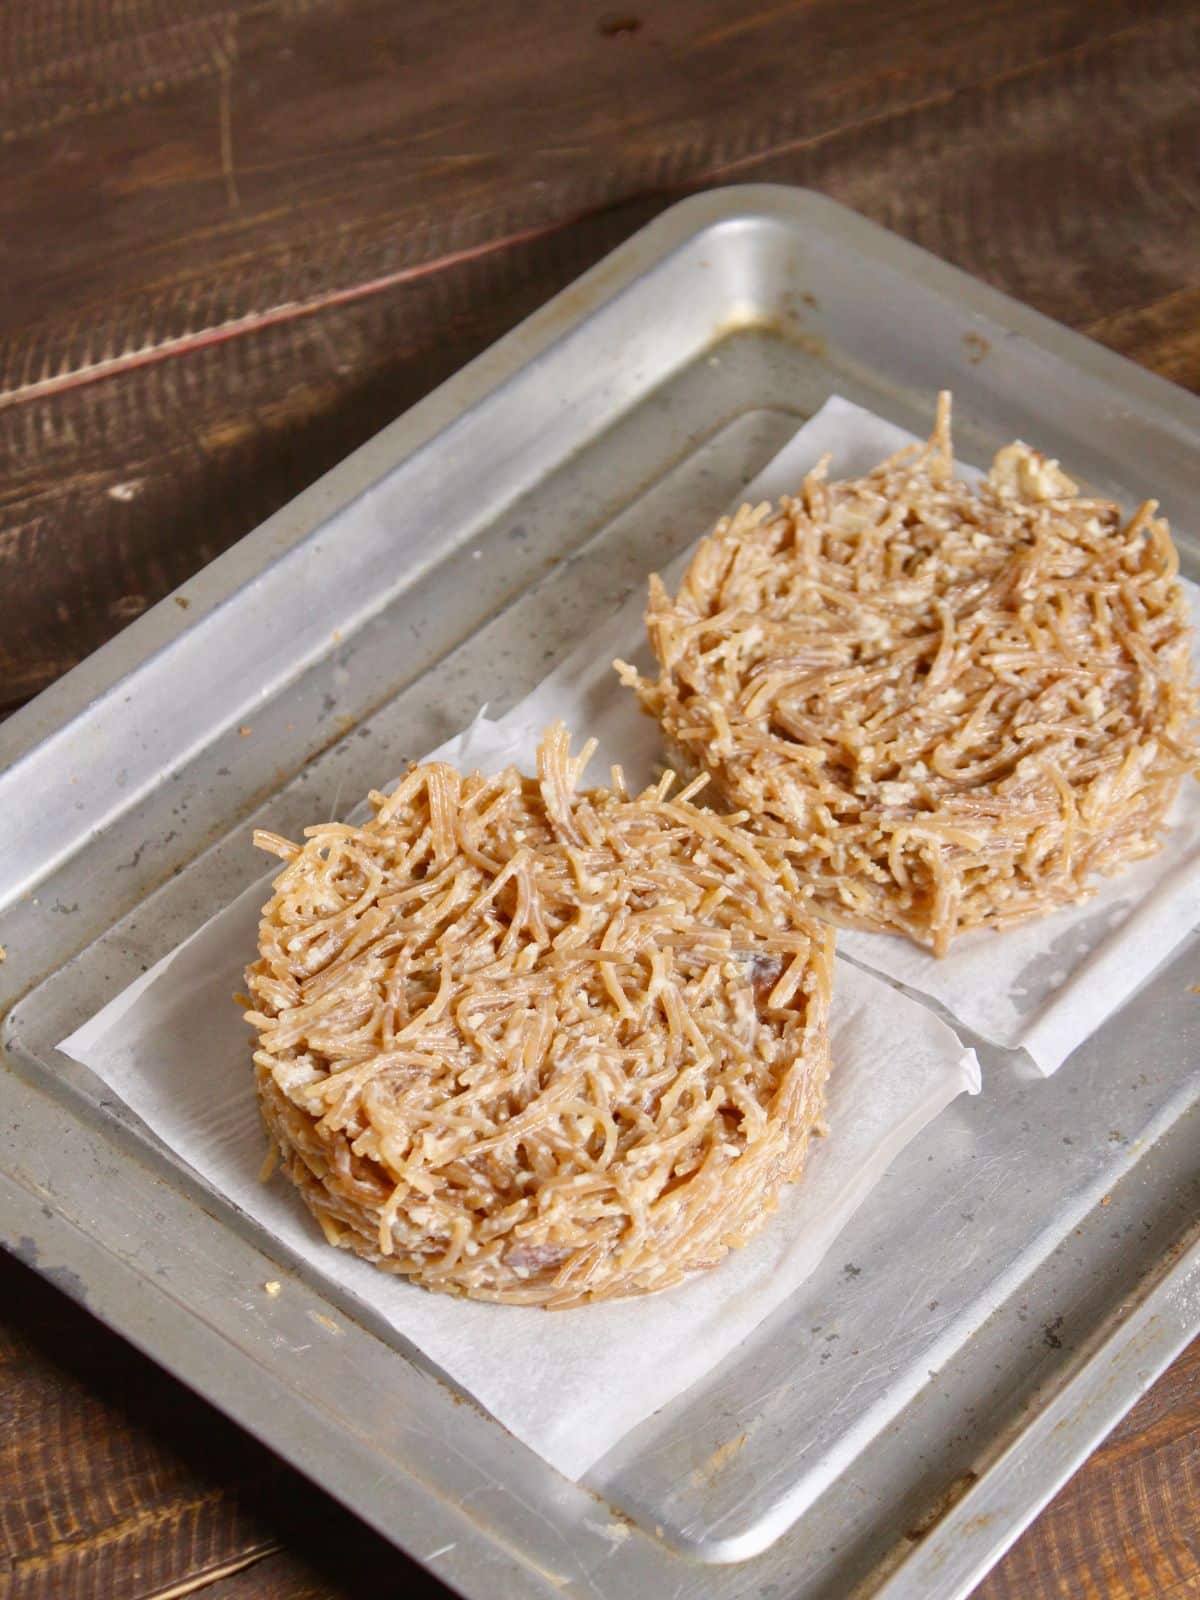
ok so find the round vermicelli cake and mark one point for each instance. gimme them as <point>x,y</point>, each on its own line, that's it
<point>956,706</point>
<point>532,1043</point>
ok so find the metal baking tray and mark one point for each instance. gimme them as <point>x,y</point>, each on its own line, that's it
<point>1027,1267</point>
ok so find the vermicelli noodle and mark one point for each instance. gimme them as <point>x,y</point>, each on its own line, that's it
<point>954,707</point>
<point>538,1044</point>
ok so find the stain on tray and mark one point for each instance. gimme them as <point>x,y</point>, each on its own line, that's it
<point>68,1280</point>
<point>323,1321</point>
<point>977,347</point>
<point>720,1458</point>
<point>946,1501</point>
<point>1050,1334</point>
<point>810,344</point>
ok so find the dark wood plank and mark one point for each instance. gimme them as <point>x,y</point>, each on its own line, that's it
<point>188,169</point>
<point>1126,1526</point>
<point>1163,334</point>
<point>115,1481</point>
<point>113,493</point>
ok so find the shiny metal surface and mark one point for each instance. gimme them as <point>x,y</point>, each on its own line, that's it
<point>905,1414</point>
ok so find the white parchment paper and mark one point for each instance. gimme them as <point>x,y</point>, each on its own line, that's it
<point>174,1047</point>
<point>1044,987</point>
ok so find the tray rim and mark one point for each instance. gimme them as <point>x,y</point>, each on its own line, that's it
<point>1154,1326</point>
<point>75,695</point>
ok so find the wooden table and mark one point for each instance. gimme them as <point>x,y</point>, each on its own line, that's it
<point>238,236</point>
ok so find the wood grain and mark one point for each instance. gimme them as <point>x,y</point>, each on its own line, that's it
<point>104,1487</point>
<point>201,168</point>
<point>157,468</point>
<point>239,236</point>
<point>116,1483</point>
<point>1127,1526</point>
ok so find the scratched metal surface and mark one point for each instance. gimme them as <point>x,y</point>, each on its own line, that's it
<point>1003,1254</point>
